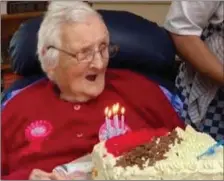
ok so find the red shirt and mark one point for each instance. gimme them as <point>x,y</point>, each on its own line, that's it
<point>39,130</point>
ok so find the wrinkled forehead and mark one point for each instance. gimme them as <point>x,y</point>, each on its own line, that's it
<point>90,32</point>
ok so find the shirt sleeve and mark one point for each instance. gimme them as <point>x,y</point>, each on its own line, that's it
<point>4,156</point>
<point>189,17</point>
<point>9,115</point>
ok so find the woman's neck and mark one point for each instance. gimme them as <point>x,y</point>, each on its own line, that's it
<point>74,98</point>
<point>69,96</point>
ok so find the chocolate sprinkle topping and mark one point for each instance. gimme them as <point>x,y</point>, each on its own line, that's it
<point>153,151</point>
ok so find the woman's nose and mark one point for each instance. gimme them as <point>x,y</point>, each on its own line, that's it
<point>97,62</point>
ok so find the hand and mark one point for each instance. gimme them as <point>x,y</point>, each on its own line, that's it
<point>59,175</point>
<point>38,174</point>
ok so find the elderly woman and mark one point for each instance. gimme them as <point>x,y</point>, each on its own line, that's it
<point>197,28</point>
<point>59,119</point>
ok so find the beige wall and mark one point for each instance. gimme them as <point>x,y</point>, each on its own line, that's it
<point>3,7</point>
<point>154,11</point>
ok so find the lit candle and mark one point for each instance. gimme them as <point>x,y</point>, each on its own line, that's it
<point>122,119</point>
<point>106,118</point>
<point>110,131</point>
<point>115,109</point>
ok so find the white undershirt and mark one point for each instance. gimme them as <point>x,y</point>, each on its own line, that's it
<point>191,17</point>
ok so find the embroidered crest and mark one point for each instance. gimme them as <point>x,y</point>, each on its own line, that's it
<point>36,133</point>
<point>38,130</point>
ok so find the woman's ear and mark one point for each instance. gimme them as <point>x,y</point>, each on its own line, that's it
<point>49,62</point>
<point>50,58</point>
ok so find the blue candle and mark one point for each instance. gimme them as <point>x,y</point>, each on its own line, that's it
<point>211,150</point>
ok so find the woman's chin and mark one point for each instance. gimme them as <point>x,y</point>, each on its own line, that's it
<point>94,93</point>
<point>95,90</point>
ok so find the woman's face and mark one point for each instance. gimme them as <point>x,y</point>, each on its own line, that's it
<point>82,77</point>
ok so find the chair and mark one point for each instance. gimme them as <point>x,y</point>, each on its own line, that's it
<point>144,47</point>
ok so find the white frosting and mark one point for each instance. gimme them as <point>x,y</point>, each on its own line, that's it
<point>183,165</point>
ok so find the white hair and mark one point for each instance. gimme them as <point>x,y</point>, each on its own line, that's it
<point>49,33</point>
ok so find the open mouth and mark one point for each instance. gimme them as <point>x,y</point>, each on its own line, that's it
<point>91,77</point>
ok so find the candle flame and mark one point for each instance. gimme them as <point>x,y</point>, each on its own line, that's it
<point>115,108</point>
<point>106,111</point>
<point>122,110</point>
<point>109,113</point>
<point>118,106</point>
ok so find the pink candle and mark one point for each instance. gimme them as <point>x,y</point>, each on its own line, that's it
<point>122,118</point>
<point>106,117</point>
<point>110,128</point>
<point>107,121</point>
<point>115,117</point>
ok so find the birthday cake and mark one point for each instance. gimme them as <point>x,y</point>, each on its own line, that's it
<point>159,155</point>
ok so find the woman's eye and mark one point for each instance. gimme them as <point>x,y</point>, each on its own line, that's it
<point>85,51</point>
<point>103,46</point>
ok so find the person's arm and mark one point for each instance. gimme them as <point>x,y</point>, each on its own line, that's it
<point>195,51</point>
<point>185,22</point>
